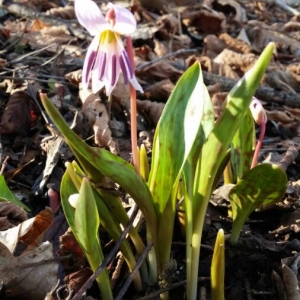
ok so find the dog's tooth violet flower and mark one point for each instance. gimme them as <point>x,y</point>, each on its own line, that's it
<point>106,57</point>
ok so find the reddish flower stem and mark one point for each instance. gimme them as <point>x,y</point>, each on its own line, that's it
<point>259,143</point>
<point>133,123</point>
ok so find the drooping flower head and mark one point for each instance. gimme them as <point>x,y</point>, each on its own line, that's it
<point>106,57</point>
<point>258,113</point>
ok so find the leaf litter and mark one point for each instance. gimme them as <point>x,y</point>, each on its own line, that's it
<point>43,46</point>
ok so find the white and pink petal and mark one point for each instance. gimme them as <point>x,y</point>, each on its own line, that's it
<point>124,23</point>
<point>90,16</point>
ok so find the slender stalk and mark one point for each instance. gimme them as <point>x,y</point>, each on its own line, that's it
<point>192,275</point>
<point>134,145</point>
<point>259,144</point>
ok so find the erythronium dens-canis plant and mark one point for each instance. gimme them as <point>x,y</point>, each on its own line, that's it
<point>188,144</point>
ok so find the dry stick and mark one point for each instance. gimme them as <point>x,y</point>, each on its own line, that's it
<point>152,62</point>
<point>135,269</point>
<point>133,113</point>
<point>108,259</point>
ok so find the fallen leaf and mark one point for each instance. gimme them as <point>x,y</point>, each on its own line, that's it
<point>10,215</point>
<point>30,275</point>
<point>42,221</point>
<point>151,110</point>
<point>19,114</point>
<point>95,111</point>
<point>76,280</point>
<point>28,231</point>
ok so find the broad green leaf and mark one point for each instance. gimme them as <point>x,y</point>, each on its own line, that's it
<point>218,141</point>
<point>108,165</point>
<point>242,147</point>
<point>218,268</point>
<point>86,226</point>
<point>175,134</point>
<point>7,195</point>
<point>110,210</point>
<point>213,154</point>
<point>67,188</point>
<point>262,185</point>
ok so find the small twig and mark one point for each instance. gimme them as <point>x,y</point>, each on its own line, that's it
<point>152,62</point>
<point>107,260</point>
<point>4,165</point>
<point>139,262</point>
<point>31,53</point>
<point>281,4</point>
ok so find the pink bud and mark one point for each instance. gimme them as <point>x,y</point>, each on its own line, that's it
<point>258,112</point>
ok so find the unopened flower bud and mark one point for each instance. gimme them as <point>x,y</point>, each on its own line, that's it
<point>258,113</point>
<point>73,200</point>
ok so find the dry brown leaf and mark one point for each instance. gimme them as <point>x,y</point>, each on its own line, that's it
<point>74,77</point>
<point>232,7</point>
<point>203,20</point>
<point>259,36</point>
<point>69,245</point>
<point>289,269</point>
<point>42,221</point>
<point>28,231</point>
<point>161,69</point>
<point>10,215</point>
<point>235,44</point>
<point>214,45</point>
<point>281,80</point>
<point>160,48</point>
<point>37,25</point>
<point>41,4</point>
<point>290,26</point>
<point>213,67</point>
<point>56,35</point>
<point>95,111</point>
<point>75,280</point>
<point>19,115</point>
<point>160,90</point>
<point>150,110</point>
<point>30,275</point>
<point>282,117</point>
<point>164,4</point>
<point>239,61</point>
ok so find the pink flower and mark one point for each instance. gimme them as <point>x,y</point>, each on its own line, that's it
<point>106,57</point>
<point>258,113</point>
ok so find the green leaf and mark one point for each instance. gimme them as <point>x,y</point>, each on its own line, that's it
<point>102,162</point>
<point>212,155</point>
<point>262,185</point>
<point>109,209</point>
<point>7,195</point>
<point>176,133</point>
<point>242,147</point>
<point>86,226</point>
<point>67,188</point>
